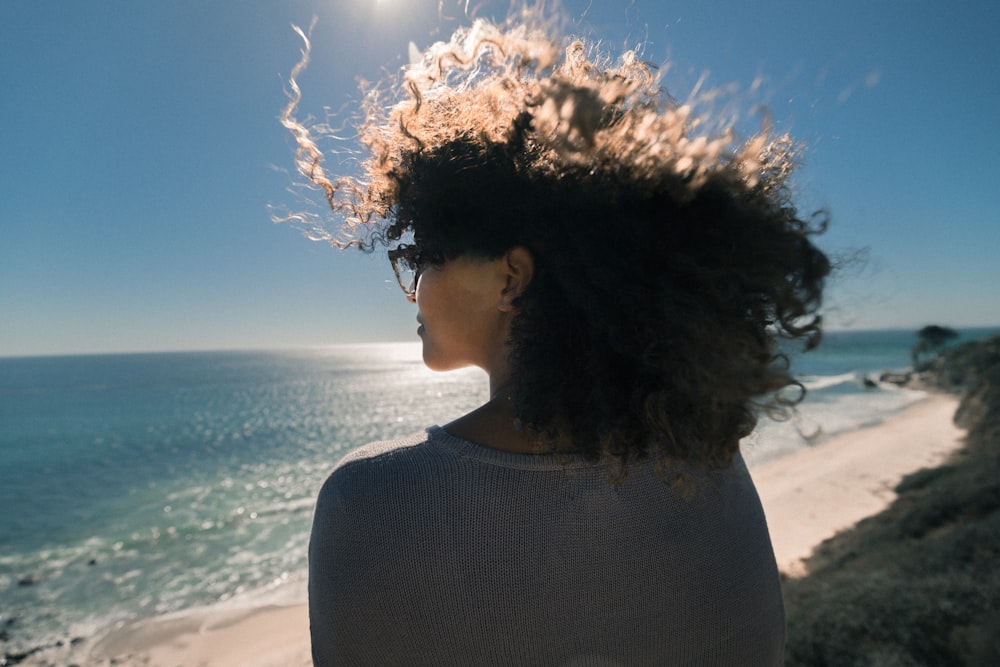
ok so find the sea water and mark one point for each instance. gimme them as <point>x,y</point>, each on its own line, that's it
<point>140,485</point>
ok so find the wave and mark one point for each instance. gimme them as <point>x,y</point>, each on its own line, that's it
<point>816,383</point>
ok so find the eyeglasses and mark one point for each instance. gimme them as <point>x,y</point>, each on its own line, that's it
<point>407,263</point>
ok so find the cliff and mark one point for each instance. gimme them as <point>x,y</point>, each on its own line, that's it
<point>918,584</point>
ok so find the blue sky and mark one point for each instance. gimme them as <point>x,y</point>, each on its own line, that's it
<point>139,151</point>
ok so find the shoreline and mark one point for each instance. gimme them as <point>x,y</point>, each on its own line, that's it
<point>270,636</point>
<point>812,494</point>
<point>808,496</point>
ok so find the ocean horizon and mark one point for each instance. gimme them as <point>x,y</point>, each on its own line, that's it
<point>144,484</point>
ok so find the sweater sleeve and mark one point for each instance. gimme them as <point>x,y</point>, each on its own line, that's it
<point>362,595</point>
<point>327,531</point>
<point>350,614</point>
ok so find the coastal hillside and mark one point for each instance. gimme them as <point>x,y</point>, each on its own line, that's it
<point>918,584</point>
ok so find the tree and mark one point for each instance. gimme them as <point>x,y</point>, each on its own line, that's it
<point>930,340</point>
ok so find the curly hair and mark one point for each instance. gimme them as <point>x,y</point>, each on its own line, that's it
<point>669,255</point>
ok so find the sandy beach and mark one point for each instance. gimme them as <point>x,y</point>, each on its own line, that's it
<point>812,494</point>
<point>807,496</point>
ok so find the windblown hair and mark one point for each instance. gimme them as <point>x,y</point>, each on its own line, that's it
<point>669,255</point>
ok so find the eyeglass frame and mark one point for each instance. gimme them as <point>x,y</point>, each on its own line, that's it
<point>416,259</point>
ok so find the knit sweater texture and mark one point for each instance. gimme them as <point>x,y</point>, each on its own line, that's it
<point>432,550</point>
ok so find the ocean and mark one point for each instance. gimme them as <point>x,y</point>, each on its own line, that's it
<point>141,485</point>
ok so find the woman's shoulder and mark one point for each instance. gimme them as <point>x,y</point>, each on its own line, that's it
<point>377,467</point>
<point>382,452</point>
<point>382,458</point>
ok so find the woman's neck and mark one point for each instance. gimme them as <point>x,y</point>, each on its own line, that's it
<point>495,424</point>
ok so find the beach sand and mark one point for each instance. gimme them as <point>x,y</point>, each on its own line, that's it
<point>813,494</point>
<point>808,496</point>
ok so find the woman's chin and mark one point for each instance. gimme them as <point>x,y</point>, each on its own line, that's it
<point>437,365</point>
<point>431,360</point>
<point>440,363</point>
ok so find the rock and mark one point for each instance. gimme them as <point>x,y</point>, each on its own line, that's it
<point>959,369</point>
<point>15,658</point>
<point>900,379</point>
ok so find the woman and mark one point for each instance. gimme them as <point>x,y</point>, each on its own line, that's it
<point>622,280</point>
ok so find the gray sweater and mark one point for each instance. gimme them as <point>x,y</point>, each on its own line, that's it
<point>432,550</point>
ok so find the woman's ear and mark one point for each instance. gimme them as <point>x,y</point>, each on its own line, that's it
<point>519,265</point>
